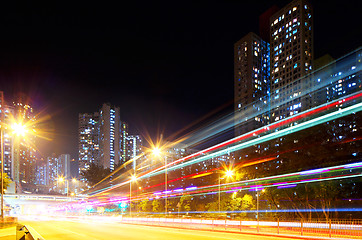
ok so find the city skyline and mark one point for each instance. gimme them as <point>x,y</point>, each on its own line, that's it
<point>152,91</point>
<point>229,117</point>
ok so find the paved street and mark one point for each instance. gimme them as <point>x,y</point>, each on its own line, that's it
<point>52,230</point>
<point>7,233</point>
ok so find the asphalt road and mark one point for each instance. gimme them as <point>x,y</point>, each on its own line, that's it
<point>65,229</point>
<point>7,233</point>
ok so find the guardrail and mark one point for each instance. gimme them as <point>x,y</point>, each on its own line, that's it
<point>42,197</point>
<point>24,232</point>
<point>331,228</point>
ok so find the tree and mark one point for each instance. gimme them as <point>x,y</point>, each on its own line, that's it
<point>156,205</point>
<point>95,173</point>
<point>185,203</point>
<point>247,202</point>
<point>7,181</point>
<point>145,205</point>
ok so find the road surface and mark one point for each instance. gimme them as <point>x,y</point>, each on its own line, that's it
<point>82,229</point>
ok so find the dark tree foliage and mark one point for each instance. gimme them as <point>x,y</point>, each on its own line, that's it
<point>95,173</point>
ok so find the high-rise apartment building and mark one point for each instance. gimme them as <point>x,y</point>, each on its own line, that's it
<point>291,55</point>
<point>88,145</point>
<point>19,153</point>
<point>41,172</point>
<point>52,172</point>
<point>134,148</point>
<point>123,144</point>
<point>251,83</point>
<point>64,165</point>
<point>104,139</point>
<point>4,118</point>
<point>109,137</point>
<point>24,153</point>
<point>271,80</point>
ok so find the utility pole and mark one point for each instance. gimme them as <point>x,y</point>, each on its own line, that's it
<point>2,155</point>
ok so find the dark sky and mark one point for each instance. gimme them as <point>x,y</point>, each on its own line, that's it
<point>165,64</point>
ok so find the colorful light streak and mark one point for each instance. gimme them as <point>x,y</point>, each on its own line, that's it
<point>287,186</point>
<point>279,181</point>
<point>292,129</point>
<point>304,125</point>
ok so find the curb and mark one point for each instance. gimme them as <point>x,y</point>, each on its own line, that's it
<point>244,233</point>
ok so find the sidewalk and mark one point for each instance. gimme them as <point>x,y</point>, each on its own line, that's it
<point>7,233</point>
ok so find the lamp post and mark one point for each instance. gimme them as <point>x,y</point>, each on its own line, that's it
<point>19,129</point>
<point>165,186</point>
<point>228,173</point>
<point>2,169</point>
<point>157,152</point>
<point>74,180</point>
<point>62,179</point>
<point>257,205</point>
<point>133,178</point>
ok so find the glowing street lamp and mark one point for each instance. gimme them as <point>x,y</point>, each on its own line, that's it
<point>257,205</point>
<point>228,173</point>
<point>157,152</point>
<point>63,179</point>
<point>19,129</point>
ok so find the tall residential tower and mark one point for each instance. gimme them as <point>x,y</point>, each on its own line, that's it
<point>251,83</point>
<point>109,136</point>
<point>291,55</point>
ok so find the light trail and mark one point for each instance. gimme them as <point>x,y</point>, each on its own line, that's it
<point>347,66</point>
<point>270,136</point>
<point>340,172</point>
<point>188,160</point>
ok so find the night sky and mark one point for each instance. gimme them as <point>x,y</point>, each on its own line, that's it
<point>165,64</point>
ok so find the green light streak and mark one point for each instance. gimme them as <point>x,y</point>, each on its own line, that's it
<point>293,129</point>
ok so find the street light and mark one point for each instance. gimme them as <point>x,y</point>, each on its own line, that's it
<point>2,167</point>
<point>63,179</point>
<point>257,204</point>
<point>133,178</point>
<point>19,129</point>
<point>157,152</point>
<point>228,173</point>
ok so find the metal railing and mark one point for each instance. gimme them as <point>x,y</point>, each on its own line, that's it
<point>24,232</point>
<point>351,229</point>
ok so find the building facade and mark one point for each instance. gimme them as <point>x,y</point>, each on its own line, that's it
<point>109,136</point>
<point>88,146</point>
<point>134,149</point>
<point>103,139</point>
<point>291,58</point>
<point>123,144</point>
<point>251,83</point>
